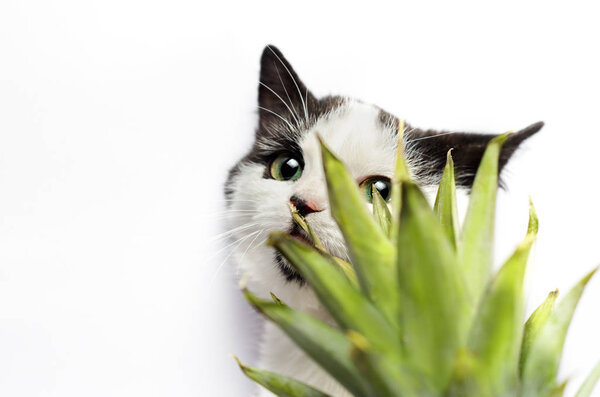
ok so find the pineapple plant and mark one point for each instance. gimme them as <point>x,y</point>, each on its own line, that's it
<point>419,312</point>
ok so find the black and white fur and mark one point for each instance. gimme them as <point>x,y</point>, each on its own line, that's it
<point>364,137</point>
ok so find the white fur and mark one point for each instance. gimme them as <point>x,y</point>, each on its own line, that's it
<point>259,206</point>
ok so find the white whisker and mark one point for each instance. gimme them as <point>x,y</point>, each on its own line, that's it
<point>228,232</point>
<point>432,136</point>
<point>281,99</point>
<point>214,276</point>
<point>278,115</point>
<point>287,94</point>
<point>295,83</point>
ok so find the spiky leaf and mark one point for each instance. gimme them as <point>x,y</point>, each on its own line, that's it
<point>371,251</point>
<point>495,338</point>
<point>345,303</point>
<point>434,310</point>
<point>282,386</point>
<point>476,250</point>
<point>588,384</point>
<point>384,372</point>
<point>445,202</point>
<point>324,344</point>
<point>381,211</point>
<point>401,174</point>
<point>468,378</point>
<point>534,324</point>
<point>541,364</point>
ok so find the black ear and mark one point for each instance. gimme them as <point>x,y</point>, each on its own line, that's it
<point>281,94</point>
<point>467,151</point>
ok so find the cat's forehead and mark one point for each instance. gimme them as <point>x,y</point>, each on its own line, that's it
<point>358,134</point>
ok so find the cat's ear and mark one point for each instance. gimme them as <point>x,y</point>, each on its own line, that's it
<point>468,149</point>
<point>281,94</point>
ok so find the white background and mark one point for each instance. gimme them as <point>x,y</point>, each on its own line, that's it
<point>119,120</point>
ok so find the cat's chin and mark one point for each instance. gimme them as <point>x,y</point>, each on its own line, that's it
<point>287,270</point>
<point>299,234</point>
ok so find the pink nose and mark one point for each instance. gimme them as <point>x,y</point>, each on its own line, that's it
<point>305,207</point>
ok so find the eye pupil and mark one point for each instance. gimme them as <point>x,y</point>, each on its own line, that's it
<point>381,184</point>
<point>289,168</point>
<point>383,188</point>
<point>286,168</point>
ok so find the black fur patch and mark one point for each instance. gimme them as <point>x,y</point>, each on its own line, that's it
<point>468,148</point>
<point>467,151</point>
<point>288,272</point>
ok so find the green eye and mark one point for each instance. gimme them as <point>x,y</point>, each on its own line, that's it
<point>286,168</point>
<point>381,183</point>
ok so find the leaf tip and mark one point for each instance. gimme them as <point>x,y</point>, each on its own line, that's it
<point>242,284</point>
<point>358,341</point>
<point>534,223</point>
<point>326,153</point>
<point>275,238</point>
<point>449,159</point>
<point>276,299</point>
<point>500,139</point>
<point>401,169</point>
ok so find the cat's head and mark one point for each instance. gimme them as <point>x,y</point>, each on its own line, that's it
<point>284,164</point>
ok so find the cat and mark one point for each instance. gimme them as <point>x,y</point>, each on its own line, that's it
<point>284,165</point>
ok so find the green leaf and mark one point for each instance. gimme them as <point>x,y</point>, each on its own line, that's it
<point>279,384</point>
<point>381,211</point>
<point>467,377</point>
<point>588,384</point>
<point>534,324</point>
<point>386,374</point>
<point>401,174</point>
<point>558,390</point>
<point>495,338</point>
<point>542,361</point>
<point>349,308</point>
<point>276,299</point>
<point>534,224</point>
<point>371,252</point>
<point>434,309</point>
<point>347,269</point>
<point>301,221</point>
<point>477,238</point>
<point>326,345</point>
<point>445,202</point>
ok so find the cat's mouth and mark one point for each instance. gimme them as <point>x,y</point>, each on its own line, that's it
<point>299,234</point>
<point>286,269</point>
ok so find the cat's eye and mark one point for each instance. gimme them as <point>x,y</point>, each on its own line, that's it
<point>286,167</point>
<point>381,183</point>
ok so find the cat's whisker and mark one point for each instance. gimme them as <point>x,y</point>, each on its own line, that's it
<point>278,115</point>
<point>240,199</point>
<point>227,246</point>
<point>261,243</point>
<point>432,136</point>
<point>250,245</point>
<point>306,101</point>
<point>231,231</point>
<point>233,212</point>
<point>218,269</point>
<point>233,243</point>
<point>281,99</point>
<point>295,83</point>
<point>287,94</point>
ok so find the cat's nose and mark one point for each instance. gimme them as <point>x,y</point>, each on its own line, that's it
<point>305,207</point>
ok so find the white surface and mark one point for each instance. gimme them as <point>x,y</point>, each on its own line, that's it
<point>119,120</point>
